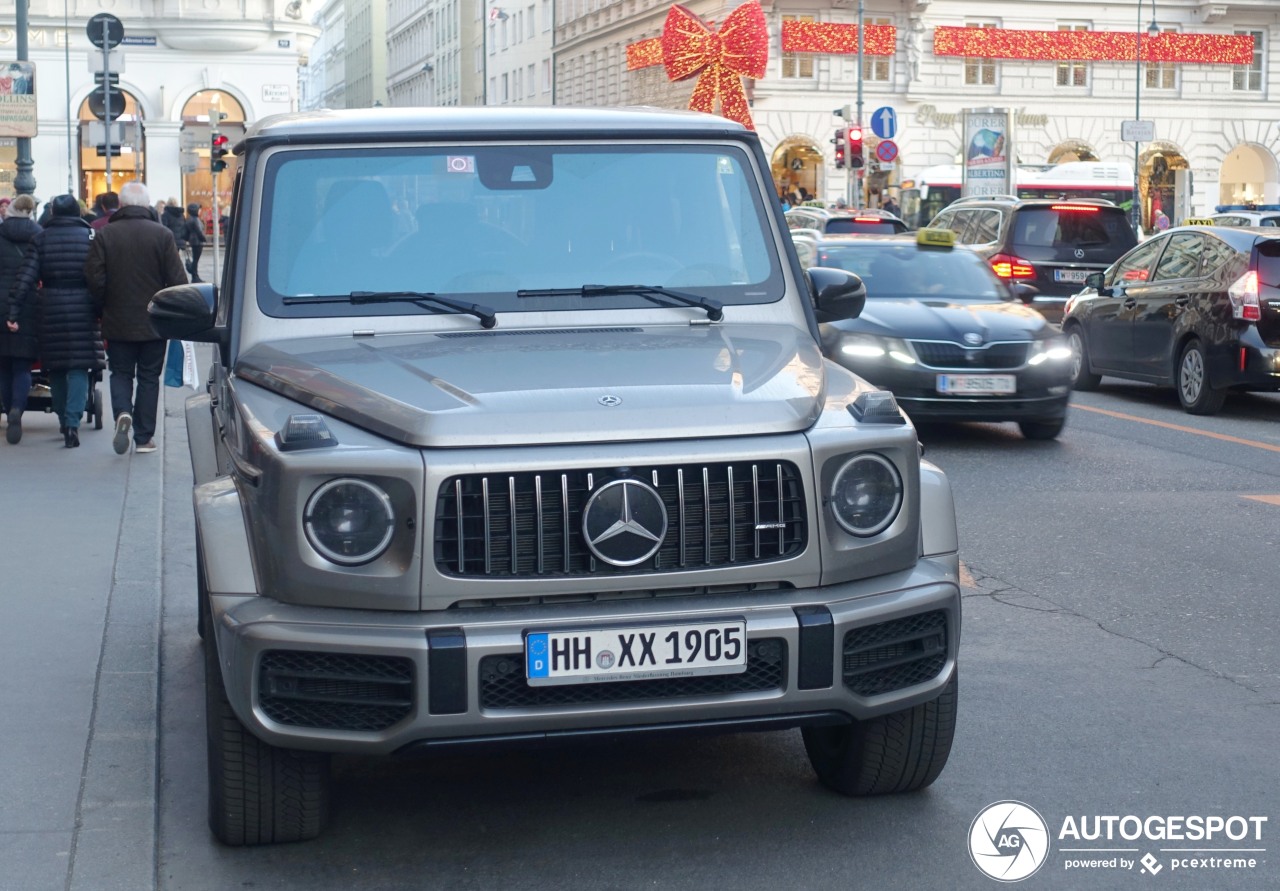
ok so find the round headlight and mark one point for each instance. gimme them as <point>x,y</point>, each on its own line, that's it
<point>866,495</point>
<point>349,521</point>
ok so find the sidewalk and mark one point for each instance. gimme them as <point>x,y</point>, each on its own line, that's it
<point>83,533</point>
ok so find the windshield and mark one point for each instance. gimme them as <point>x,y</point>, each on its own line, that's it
<point>904,270</point>
<point>481,222</point>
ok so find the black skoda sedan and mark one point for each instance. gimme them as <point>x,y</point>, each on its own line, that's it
<point>946,336</point>
<point>1196,309</point>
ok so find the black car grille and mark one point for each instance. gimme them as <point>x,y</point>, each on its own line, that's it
<point>942,354</point>
<point>335,691</point>
<point>530,524</point>
<point>502,682</point>
<point>896,654</point>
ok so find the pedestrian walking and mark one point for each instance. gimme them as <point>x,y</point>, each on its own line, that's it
<point>131,259</point>
<point>195,240</point>
<point>176,222</point>
<point>70,343</point>
<point>18,349</point>
<point>107,204</point>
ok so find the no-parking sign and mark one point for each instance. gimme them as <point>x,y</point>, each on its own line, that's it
<point>886,151</point>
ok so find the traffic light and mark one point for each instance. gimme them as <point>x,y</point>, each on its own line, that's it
<point>838,141</point>
<point>217,151</point>
<point>854,139</point>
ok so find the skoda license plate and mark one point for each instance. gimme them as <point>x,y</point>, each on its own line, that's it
<point>977,384</point>
<point>643,652</point>
<point>1073,276</point>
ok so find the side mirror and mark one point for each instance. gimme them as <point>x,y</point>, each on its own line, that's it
<point>837,294</point>
<point>1096,280</point>
<point>186,312</point>
<point>1025,292</point>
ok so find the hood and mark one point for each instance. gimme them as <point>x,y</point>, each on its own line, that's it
<point>19,230</point>
<point>940,319</point>
<point>523,387</point>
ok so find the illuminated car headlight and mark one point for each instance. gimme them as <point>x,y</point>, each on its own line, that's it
<point>349,521</point>
<point>869,346</point>
<point>1054,349</point>
<point>866,494</point>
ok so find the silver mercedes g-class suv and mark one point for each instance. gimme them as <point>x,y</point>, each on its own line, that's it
<point>518,427</point>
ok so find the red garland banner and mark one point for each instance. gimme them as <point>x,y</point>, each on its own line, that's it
<point>1092,46</point>
<point>835,39</point>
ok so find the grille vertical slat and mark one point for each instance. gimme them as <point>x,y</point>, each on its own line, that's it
<point>486,528</point>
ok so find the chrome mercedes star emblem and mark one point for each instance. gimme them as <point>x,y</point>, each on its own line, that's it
<point>973,339</point>
<point>610,401</point>
<point>624,522</point>
<point>1079,253</point>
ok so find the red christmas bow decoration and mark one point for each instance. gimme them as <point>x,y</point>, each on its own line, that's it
<point>720,59</point>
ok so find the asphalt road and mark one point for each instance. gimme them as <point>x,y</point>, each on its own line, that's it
<point>1118,657</point>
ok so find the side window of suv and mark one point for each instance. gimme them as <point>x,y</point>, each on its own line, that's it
<point>984,227</point>
<point>1181,259</point>
<point>955,220</point>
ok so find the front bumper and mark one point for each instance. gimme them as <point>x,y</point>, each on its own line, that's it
<point>378,683</point>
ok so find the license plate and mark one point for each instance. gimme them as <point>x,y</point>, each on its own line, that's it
<point>643,652</point>
<point>994,384</point>
<point>1074,276</point>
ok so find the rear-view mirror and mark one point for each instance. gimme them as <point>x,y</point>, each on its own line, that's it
<point>185,312</point>
<point>837,294</point>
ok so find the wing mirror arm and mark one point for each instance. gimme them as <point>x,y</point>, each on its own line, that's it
<point>1097,281</point>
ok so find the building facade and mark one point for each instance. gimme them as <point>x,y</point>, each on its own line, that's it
<point>518,52</point>
<point>1215,121</point>
<point>180,62</point>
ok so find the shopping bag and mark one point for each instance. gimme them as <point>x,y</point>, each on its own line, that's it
<point>173,364</point>
<point>190,373</point>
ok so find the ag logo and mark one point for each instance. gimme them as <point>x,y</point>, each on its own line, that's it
<point>1008,841</point>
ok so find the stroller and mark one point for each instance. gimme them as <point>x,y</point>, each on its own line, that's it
<point>41,398</point>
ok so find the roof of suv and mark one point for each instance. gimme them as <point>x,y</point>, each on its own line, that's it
<point>386,123</point>
<point>1016,203</point>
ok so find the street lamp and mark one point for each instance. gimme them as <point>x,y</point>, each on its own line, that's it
<point>1153,30</point>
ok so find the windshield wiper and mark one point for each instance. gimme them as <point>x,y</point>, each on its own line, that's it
<point>653,293</point>
<point>422,299</point>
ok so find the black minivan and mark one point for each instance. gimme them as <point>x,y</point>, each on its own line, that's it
<point>1196,308</point>
<point>1049,244</point>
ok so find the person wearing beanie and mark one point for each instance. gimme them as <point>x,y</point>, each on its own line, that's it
<point>18,350</point>
<point>70,344</point>
<point>143,257</point>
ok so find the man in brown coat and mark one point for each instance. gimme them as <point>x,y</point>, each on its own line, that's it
<point>130,259</point>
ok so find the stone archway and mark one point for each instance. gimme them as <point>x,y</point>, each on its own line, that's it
<point>1249,176</point>
<point>798,164</point>
<point>1163,183</point>
<point>198,182</point>
<point>1072,150</point>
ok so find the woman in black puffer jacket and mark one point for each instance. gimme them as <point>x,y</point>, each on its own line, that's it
<point>18,352</point>
<point>70,342</point>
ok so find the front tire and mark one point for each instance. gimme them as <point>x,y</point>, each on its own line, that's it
<point>1042,430</point>
<point>259,794</point>
<point>1194,392</point>
<point>899,752</point>
<point>1081,377</point>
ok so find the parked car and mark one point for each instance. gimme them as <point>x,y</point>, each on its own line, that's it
<point>1246,218</point>
<point>946,335</point>
<point>828,222</point>
<point>530,471</point>
<point>1196,308</point>
<point>1051,244</point>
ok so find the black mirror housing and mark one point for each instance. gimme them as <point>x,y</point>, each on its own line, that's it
<point>837,294</point>
<point>186,312</point>
<point>1097,281</point>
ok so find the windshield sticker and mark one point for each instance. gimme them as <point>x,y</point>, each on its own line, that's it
<point>460,163</point>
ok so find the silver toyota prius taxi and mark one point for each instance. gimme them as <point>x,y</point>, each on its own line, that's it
<point>477,462</point>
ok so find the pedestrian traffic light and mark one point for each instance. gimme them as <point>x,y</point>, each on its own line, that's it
<point>838,141</point>
<point>217,151</point>
<point>854,140</point>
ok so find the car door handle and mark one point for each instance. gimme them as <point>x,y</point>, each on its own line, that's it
<point>1129,303</point>
<point>1182,301</point>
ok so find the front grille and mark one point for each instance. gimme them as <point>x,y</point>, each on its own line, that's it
<point>896,654</point>
<point>335,691</point>
<point>502,682</point>
<point>944,354</point>
<point>530,524</point>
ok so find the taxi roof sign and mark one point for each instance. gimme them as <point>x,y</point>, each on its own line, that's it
<point>1199,221</point>
<point>936,238</point>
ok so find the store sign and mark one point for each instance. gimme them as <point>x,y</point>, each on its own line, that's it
<point>17,99</point>
<point>35,37</point>
<point>929,116</point>
<point>275,92</point>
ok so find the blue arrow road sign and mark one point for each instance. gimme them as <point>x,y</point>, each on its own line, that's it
<point>884,122</point>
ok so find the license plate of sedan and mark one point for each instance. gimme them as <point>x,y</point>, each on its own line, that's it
<point>635,653</point>
<point>1073,276</point>
<point>987,384</point>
